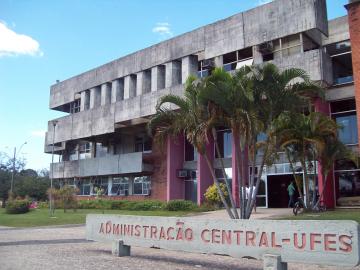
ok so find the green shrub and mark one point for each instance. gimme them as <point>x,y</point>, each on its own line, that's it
<point>43,205</point>
<point>180,205</point>
<point>17,206</point>
<point>212,195</point>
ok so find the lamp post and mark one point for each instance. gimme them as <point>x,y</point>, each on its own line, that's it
<point>13,169</point>
<point>52,170</point>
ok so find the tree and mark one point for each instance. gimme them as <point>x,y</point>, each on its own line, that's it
<point>191,119</point>
<point>249,102</point>
<point>304,138</point>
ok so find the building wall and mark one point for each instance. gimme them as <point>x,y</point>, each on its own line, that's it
<point>354,28</point>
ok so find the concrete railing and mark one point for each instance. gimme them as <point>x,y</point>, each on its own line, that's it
<point>109,165</point>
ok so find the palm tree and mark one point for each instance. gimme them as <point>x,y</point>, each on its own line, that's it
<point>276,92</point>
<point>304,138</point>
<point>333,150</point>
<point>230,102</point>
<point>191,119</point>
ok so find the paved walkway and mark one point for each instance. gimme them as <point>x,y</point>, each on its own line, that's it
<point>64,247</point>
<point>261,213</point>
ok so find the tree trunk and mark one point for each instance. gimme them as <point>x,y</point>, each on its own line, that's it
<point>259,178</point>
<point>251,184</point>
<point>233,205</point>
<point>239,170</point>
<point>294,174</point>
<point>221,194</point>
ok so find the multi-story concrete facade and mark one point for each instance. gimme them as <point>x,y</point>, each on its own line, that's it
<point>103,142</point>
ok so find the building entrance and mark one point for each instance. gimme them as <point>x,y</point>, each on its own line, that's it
<point>277,190</point>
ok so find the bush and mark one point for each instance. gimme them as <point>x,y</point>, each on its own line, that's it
<point>17,207</point>
<point>212,195</point>
<point>43,205</point>
<point>180,205</point>
<point>121,205</point>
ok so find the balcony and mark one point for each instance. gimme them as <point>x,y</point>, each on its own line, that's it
<point>315,62</point>
<point>109,165</point>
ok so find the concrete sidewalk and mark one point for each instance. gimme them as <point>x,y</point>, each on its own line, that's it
<point>261,213</point>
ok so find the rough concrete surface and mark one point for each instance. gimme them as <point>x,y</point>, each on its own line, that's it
<point>65,247</point>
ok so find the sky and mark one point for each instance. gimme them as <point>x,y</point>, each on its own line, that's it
<point>43,41</point>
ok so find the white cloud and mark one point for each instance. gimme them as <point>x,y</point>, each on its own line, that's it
<point>38,133</point>
<point>263,2</point>
<point>13,44</point>
<point>163,29</point>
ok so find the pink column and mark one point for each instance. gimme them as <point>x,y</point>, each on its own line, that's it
<point>329,196</point>
<point>204,178</point>
<point>175,160</point>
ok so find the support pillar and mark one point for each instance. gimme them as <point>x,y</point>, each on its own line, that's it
<point>94,97</point>
<point>117,90</point>
<point>219,61</point>
<point>329,196</point>
<point>204,177</point>
<point>189,66</point>
<point>273,262</point>
<point>84,100</point>
<point>143,82</point>
<point>130,86</point>
<point>157,78</point>
<point>105,94</point>
<point>172,73</point>
<point>175,160</point>
<point>119,249</point>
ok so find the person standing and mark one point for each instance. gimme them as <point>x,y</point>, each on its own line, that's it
<point>291,192</point>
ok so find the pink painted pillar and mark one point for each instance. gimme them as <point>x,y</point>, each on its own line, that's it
<point>174,162</point>
<point>235,175</point>
<point>204,178</point>
<point>329,196</point>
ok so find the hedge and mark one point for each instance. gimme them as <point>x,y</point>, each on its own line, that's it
<point>17,206</point>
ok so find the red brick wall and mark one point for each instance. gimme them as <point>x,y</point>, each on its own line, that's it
<point>354,27</point>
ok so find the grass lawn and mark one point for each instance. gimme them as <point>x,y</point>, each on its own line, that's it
<point>338,214</point>
<point>40,217</point>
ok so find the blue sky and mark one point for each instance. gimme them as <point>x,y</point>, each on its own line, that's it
<point>50,40</point>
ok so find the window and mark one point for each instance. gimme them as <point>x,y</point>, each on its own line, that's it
<point>84,188</point>
<point>75,106</point>
<point>238,59</point>
<point>120,186</point>
<point>282,47</point>
<point>205,67</point>
<point>347,181</point>
<point>224,138</point>
<point>102,185</point>
<point>143,144</point>
<point>101,150</point>
<point>220,176</point>
<point>190,151</point>
<point>340,54</point>
<point>344,113</point>
<point>142,185</point>
<point>84,150</point>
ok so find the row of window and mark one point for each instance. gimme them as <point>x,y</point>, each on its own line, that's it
<point>343,112</point>
<point>83,150</point>
<point>118,186</point>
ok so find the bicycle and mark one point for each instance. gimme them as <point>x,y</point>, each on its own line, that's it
<point>299,207</point>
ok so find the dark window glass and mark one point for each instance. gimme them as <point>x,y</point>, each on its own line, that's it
<point>343,105</point>
<point>349,184</point>
<point>348,133</point>
<point>224,138</point>
<point>190,152</point>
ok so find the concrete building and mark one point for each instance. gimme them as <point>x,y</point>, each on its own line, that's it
<point>102,142</point>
